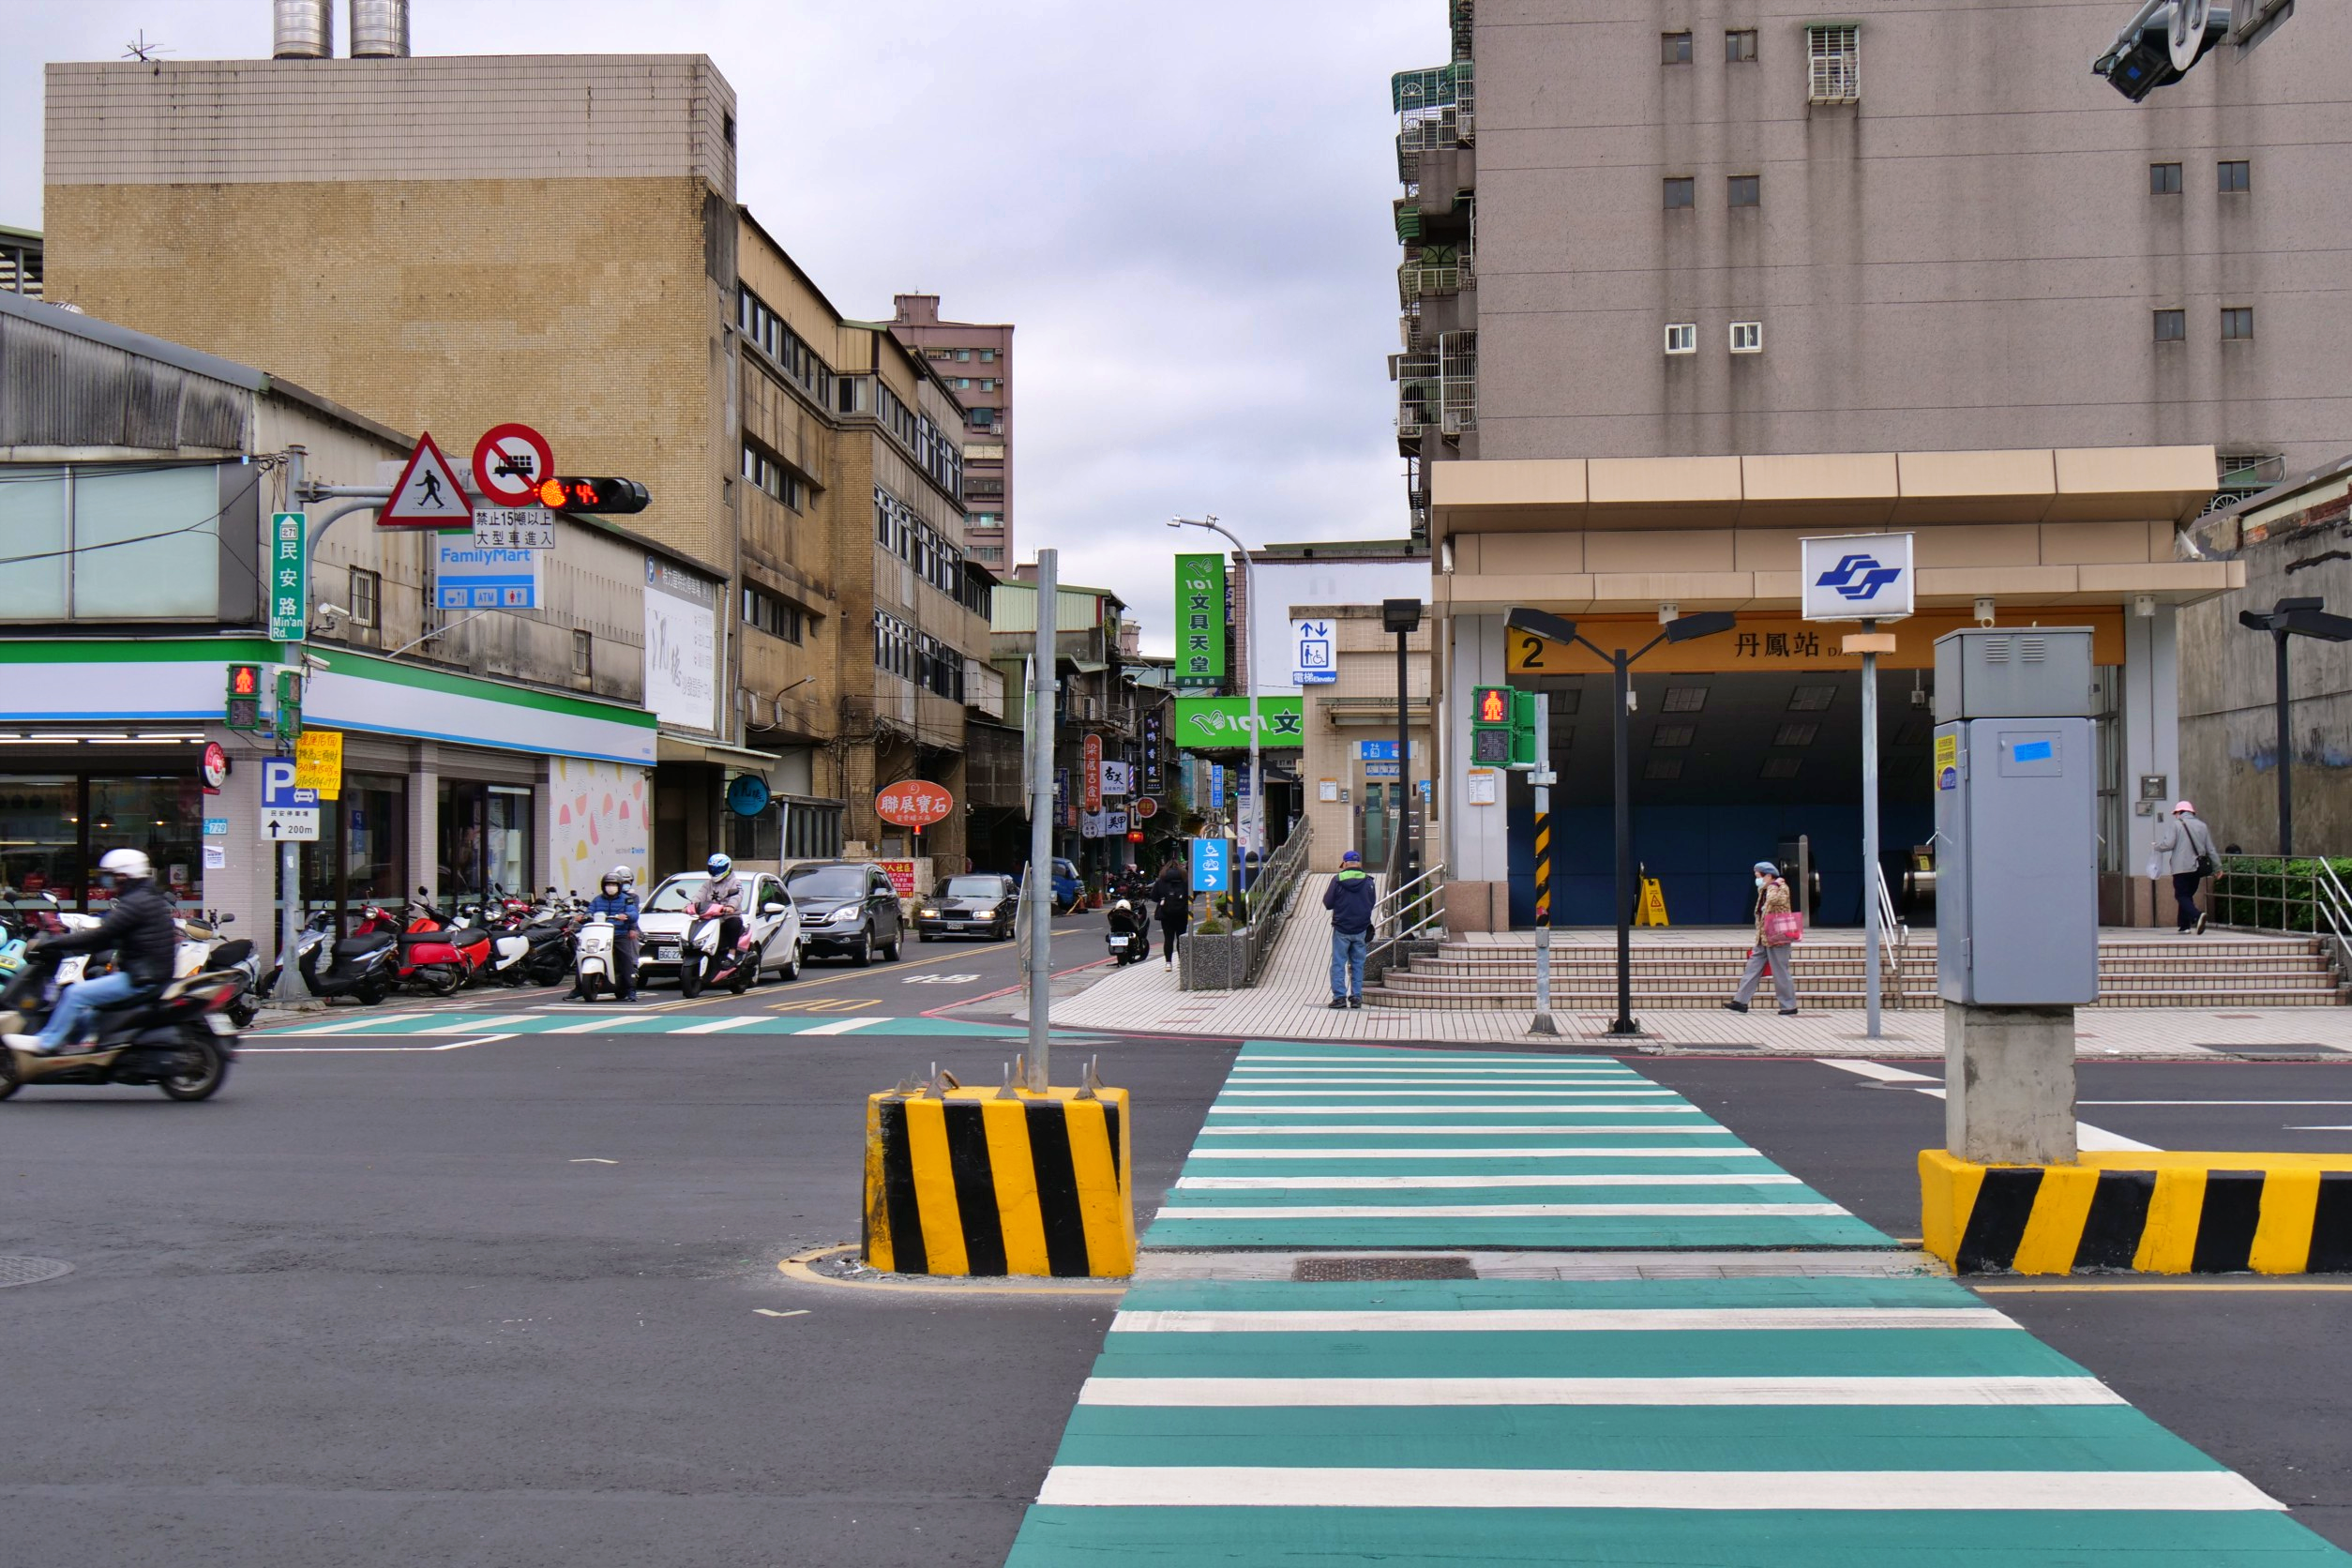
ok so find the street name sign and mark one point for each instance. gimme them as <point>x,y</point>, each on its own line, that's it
<point>289,577</point>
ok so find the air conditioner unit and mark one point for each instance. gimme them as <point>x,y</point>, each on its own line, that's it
<point>1452,423</point>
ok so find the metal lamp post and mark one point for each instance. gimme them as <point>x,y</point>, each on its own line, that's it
<point>2286,619</point>
<point>1256,774</point>
<point>1403,617</point>
<point>1684,629</point>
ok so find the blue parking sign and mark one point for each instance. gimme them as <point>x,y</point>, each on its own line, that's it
<point>1212,864</point>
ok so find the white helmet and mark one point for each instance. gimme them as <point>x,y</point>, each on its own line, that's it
<point>127,864</point>
<point>624,875</point>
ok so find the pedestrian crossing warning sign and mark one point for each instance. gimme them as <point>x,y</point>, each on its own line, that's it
<point>1652,911</point>
<point>427,493</point>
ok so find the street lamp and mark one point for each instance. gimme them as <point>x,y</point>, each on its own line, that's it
<point>1257,775</point>
<point>1403,617</point>
<point>1682,628</point>
<point>2286,619</point>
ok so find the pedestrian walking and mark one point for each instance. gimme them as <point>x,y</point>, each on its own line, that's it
<point>1171,895</point>
<point>1349,897</point>
<point>2184,848</point>
<point>1772,941</point>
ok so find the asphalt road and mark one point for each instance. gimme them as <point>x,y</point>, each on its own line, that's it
<point>505,1304</point>
<point>2254,1373</point>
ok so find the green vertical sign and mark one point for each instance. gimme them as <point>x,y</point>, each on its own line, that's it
<point>1200,620</point>
<point>289,577</point>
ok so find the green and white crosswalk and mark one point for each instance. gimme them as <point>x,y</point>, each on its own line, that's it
<point>1847,1420</point>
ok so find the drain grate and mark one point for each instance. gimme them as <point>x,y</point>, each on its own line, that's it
<point>30,1271</point>
<point>1452,1266</point>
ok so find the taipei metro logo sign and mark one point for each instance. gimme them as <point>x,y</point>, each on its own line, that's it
<point>1856,577</point>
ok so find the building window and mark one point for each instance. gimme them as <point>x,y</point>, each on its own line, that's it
<point>1748,337</point>
<point>2238,323</point>
<point>583,656</point>
<point>1747,190</point>
<point>964,355</point>
<point>1833,64</point>
<point>1681,338</point>
<point>1681,190</point>
<point>1739,46</point>
<point>765,470</point>
<point>366,597</point>
<point>2164,179</point>
<point>1674,49</point>
<point>988,356</point>
<point>988,383</point>
<point>2172,326</point>
<point>981,418</point>
<point>963,383</point>
<point>939,353</point>
<point>1684,700</point>
<point>771,613</point>
<point>2236,175</point>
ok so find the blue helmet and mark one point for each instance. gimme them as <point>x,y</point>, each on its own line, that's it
<point>719,866</point>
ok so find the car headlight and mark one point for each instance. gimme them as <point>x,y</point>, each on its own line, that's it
<point>845,915</point>
<point>927,913</point>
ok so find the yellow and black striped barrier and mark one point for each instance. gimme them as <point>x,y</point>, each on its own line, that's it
<point>998,1182</point>
<point>2140,1211</point>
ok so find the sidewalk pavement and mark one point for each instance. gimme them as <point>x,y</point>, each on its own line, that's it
<point>1359,1411</point>
<point>1291,1002</point>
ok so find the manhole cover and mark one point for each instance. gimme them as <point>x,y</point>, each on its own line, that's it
<point>1454,1267</point>
<point>30,1271</point>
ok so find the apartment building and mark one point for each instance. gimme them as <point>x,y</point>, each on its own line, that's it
<point>1685,283</point>
<point>976,360</point>
<point>449,242</point>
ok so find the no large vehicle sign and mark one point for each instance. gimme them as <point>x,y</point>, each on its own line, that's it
<point>510,461</point>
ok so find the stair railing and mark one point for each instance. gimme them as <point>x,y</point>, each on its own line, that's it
<point>2332,906</point>
<point>1270,897</point>
<point>1894,937</point>
<point>1407,910</point>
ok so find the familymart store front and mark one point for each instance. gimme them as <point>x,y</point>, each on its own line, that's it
<point>451,783</point>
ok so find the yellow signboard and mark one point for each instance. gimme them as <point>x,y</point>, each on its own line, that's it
<point>1652,911</point>
<point>1778,640</point>
<point>319,763</point>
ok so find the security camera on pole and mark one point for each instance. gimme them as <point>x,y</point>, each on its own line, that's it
<point>1865,577</point>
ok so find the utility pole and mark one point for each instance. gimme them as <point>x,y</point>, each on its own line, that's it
<point>1871,930</point>
<point>290,853</point>
<point>1542,778</point>
<point>1039,881</point>
<point>2299,617</point>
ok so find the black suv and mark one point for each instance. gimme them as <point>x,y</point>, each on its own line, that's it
<point>847,907</point>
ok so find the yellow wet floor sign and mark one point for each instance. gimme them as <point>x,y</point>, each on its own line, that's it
<point>1652,911</point>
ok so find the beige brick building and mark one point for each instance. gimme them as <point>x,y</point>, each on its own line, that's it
<point>449,242</point>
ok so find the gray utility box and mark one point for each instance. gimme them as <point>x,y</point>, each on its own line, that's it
<point>2016,792</point>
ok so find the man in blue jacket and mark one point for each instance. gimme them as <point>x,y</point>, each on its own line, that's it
<point>617,900</point>
<point>1349,897</point>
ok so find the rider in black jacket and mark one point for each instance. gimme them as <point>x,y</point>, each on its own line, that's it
<point>137,927</point>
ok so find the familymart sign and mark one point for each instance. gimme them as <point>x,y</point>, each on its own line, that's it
<point>1221,723</point>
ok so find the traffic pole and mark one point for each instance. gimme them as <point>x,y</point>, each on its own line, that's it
<point>290,986</point>
<point>1871,930</point>
<point>1543,1023</point>
<point>1040,879</point>
<point>1622,732</point>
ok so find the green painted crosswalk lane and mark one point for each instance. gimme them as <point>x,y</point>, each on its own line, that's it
<point>1871,1418</point>
<point>1312,1146</point>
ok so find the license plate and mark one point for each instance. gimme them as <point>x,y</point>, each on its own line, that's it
<point>218,1024</point>
<point>667,954</point>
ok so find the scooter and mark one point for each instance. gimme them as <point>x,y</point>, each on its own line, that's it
<point>1134,945</point>
<point>738,968</point>
<point>181,1040</point>
<point>595,963</point>
<point>360,965</point>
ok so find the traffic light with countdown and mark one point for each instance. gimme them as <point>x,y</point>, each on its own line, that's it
<point>243,702</point>
<point>576,493</point>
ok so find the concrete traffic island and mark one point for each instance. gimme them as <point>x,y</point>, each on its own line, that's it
<point>994,1181</point>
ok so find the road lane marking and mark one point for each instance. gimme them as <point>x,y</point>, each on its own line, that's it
<point>771,1312</point>
<point>1878,1070</point>
<point>1648,1129</point>
<point>1735,1152</point>
<point>1560,1319</point>
<point>1301,1487</point>
<point>717,1025</point>
<point>1376,1392</point>
<point>1454,1111</point>
<point>594,1161</point>
<point>593,1026</point>
<point>363,1050</point>
<point>1501,1211</point>
<point>2096,1140</point>
<point>841,1026</point>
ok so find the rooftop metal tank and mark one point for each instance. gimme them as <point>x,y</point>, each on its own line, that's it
<point>302,29</point>
<point>379,29</point>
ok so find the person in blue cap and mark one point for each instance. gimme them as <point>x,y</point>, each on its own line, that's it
<point>1771,897</point>
<point>1349,897</point>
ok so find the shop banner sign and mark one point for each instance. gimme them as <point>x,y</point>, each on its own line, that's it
<point>1091,757</point>
<point>1221,723</point>
<point>319,763</point>
<point>1118,778</point>
<point>681,647</point>
<point>1155,752</point>
<point>1200,620</point>
<point>901,875</point>
<point>289,577</point>
<point>469,577</point>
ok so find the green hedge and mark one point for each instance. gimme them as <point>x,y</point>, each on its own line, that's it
<point>2270,892</point>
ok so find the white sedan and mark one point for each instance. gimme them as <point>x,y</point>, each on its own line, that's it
<point>665,920</point>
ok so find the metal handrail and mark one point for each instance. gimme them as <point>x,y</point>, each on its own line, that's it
<point>1893,935</point>
<point>1270,898</point>
<point>1408,908</point>
<point>2332,903</point>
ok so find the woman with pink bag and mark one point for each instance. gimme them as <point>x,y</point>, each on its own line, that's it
<point>1777,928</point>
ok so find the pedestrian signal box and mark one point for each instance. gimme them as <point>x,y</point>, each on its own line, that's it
<point>1490,727</point>
<point>1494,707</point>
<point>1523,752</point>
<point>289,704</point>
<point>244,698</point>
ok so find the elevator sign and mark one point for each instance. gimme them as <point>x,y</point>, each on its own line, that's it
<point>1858,577</point>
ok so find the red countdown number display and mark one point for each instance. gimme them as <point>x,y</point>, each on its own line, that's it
<point>914,804</point>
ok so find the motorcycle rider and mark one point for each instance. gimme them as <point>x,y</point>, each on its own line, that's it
<point>617,901</point>
<point>728,892</point>
<point>1125,921</point>
<point>137,927</point>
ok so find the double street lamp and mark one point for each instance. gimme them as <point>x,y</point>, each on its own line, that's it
<point>2292,618</point>
<point>1554,628</point>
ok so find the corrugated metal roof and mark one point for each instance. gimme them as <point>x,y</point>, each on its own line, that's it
<point>1013,608</point>
<point>66,380</point>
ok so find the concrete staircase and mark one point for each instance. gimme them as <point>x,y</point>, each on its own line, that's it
<point>2218,970</point>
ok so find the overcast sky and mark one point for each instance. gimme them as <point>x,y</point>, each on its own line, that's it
<point>1184,210</point>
